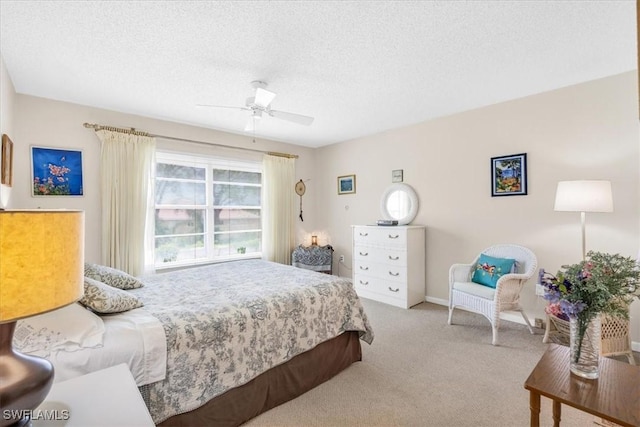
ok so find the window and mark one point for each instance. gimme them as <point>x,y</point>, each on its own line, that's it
<point>206,209</point>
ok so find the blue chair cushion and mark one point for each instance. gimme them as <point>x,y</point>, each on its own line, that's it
<point>489,269</point>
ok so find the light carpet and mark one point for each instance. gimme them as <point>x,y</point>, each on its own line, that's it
<point>419,371</point>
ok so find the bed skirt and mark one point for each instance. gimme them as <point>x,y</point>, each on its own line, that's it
<point>275,386</point>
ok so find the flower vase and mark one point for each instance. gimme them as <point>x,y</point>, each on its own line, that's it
<point>584,343</point>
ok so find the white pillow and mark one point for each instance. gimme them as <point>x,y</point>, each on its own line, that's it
<point>70,328</point>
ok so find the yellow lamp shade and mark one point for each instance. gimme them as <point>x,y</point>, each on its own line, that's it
<point>41,261</point>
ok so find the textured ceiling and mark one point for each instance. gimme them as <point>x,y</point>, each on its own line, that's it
<point>358,67</point>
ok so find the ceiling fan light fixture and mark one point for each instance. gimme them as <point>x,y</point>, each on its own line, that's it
<point>264,97</point>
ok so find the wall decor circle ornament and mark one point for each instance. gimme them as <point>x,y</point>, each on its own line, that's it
<point>399,202</point>
<point>300,190</point>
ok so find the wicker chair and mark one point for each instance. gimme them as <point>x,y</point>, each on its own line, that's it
<point>487,301</point>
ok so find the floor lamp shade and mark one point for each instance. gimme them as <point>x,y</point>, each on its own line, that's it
<point>584,196</point>
<point>41,269</point>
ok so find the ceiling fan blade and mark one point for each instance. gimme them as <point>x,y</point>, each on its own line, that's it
<point>263,97</point>
<point>291,117</point>
<point>222,106</point>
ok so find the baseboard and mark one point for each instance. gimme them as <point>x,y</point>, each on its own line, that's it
<point>509,316</point>
<point>437,301</point>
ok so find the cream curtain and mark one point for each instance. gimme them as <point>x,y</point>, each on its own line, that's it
<point>127,173</point>
<point>278,180</point>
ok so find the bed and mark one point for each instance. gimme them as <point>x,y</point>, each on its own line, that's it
<point>239,338</point>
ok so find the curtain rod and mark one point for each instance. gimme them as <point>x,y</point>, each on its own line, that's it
<point>133,131</point>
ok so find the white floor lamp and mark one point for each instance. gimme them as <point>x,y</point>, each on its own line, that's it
<point>583,197</point>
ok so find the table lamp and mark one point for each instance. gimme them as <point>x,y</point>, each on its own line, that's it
<point>584,196</point>
<point>41,269</point>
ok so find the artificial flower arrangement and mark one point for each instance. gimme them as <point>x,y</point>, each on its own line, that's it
<point>601,284</point>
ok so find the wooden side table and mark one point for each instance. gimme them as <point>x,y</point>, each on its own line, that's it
<point>108,397</point>
<point>614,396</point>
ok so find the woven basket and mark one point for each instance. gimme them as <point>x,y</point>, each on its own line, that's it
<point>614,334</point>
<point>560,330</point>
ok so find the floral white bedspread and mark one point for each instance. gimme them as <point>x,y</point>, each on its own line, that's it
<point>227,323</point>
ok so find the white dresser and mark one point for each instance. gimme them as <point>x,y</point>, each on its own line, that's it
<point>389,263</point>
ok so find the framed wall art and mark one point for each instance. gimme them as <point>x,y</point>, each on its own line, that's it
<point>347,184</point>
<point>56,172</point>
<point>6,161</point>
<point>509,175</point>
<point>396,175</point>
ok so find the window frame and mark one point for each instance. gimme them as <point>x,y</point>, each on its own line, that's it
<point>209,163</point>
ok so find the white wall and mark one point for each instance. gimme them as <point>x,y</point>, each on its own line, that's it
<point>44,122</point>
<point>587,131</point>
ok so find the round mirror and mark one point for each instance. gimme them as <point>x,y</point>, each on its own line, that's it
<point>399,202</point>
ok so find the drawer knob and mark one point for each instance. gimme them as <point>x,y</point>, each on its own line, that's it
<point>394,258</point>
<point>364,234</point>
<point>364,283</point>
<point>364,253</point>
<point>364,268</point>
<point>394,237</point>
<point>394,274</point>
<point>394,290</point>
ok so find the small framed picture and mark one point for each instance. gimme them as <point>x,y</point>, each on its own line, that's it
<point>509,175</point>
<point>56,172</point>
<point>6,163</point>
<point>396,175</point>
<point>347,184</point>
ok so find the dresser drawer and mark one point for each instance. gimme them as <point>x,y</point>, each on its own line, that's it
<point>391,256</point>
<point>380,286</point>
<point>393,273</point>
<point>380,236</point>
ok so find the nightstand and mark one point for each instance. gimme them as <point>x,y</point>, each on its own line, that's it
<point>108,397</point>
<point>314,257</point>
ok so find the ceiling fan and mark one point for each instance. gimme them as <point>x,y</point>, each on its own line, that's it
<point>260,104</point>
